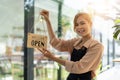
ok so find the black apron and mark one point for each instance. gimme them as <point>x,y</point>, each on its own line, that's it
<point>76,56</point>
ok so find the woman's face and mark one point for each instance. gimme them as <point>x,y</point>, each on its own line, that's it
<point>82,26</point>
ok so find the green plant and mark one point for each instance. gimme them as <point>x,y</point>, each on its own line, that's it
<point>116,32</point>
<point>65,21</point>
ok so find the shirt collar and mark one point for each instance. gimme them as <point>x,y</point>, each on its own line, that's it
<point>88,42</point>
<point>77,42</point>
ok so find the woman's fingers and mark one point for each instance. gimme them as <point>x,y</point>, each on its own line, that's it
<point>44,51</point>
<point>41,50</point>
<point>44,13</point>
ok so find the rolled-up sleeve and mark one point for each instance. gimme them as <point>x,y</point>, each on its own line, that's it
<point>89,62</point>
<point>62,45</point>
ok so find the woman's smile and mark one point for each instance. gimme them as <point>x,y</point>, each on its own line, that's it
<point>81,31</point>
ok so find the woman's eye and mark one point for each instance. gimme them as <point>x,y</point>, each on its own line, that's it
<point>76,24</point>
<point>82,23</point>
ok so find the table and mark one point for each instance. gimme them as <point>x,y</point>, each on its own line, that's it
<point>116,60</point>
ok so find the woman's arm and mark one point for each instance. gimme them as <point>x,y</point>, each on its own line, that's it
<point>89,61</point>
<point>59,44</point>
<point>49,55</point>
<point>45,13</point>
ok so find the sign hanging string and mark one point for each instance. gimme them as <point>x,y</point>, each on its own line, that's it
<point>37,40</point>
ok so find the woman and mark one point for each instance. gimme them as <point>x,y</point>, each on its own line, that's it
<point>86,52</point>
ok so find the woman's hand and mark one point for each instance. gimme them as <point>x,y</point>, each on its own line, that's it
<point>45,13</point>
<point>46,53</point>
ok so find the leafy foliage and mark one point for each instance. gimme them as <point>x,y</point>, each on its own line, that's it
<point>116,33</point>
<point>65,21</point>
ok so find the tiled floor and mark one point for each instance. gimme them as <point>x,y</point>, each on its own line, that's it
<point>110,74</point>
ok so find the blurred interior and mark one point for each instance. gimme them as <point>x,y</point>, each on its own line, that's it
<point>12,22</point>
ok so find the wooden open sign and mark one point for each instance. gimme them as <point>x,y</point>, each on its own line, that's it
<point>36,41</point>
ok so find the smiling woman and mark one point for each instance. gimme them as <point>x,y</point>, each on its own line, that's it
<point>85,51</point>
<point>83,20</point>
